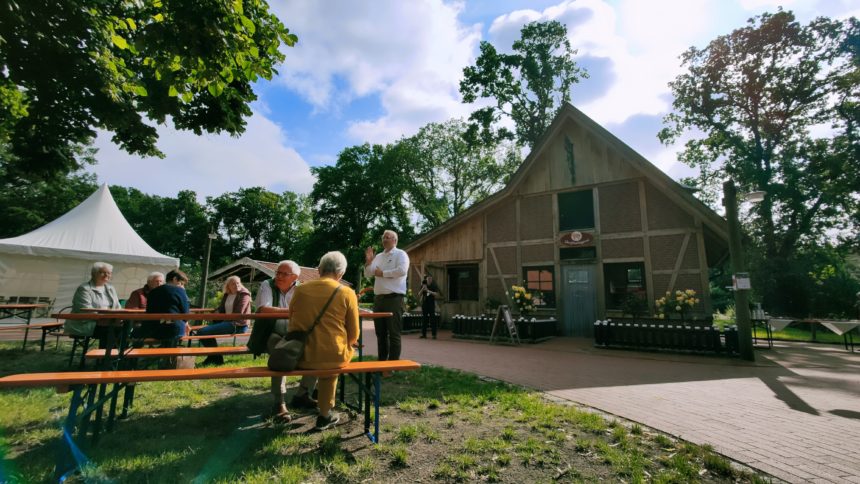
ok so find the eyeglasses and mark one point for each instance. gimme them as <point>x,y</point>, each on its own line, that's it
<point>283,274</point>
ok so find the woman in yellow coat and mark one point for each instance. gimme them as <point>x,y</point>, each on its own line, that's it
<point>330,344</point>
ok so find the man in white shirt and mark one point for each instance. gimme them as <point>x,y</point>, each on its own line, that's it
<point>389,267</point>
<point>275,295</point>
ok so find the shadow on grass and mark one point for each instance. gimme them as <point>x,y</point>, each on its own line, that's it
<point>223,436</point>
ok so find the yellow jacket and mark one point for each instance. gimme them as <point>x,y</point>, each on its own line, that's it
<point>330,343</point>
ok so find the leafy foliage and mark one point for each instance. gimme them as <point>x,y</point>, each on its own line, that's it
<point>774,106</point>
<point>356,199</point>
<point>262,225</point>
<point>528,85</point>
<point>448,172</point>
<point>70,67</point>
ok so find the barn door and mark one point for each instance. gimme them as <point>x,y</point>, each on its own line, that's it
<point>580,301</point>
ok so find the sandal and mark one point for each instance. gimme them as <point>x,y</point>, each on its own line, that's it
<point>280,414</point>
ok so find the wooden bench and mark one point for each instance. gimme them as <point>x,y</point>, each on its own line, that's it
<point>168,352</point>
<point>45,327</point>
<point>85,401</point>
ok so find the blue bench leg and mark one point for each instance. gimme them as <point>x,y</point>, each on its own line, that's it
<point>69,456</point>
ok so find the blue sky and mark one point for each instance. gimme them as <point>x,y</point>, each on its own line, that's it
<point>377,70</point>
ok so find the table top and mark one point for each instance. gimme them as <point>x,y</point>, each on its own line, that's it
<point>134,311</point>
<point>22,306</point>
<point>140,316</point>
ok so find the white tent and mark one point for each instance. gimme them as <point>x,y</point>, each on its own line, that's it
<point>49,263</point>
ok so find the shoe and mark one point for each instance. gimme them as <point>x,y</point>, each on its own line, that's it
<point>213,360</point>
<point>423,336</point>
<point>325,423</point>
<point>303,400</point>
<point>280,414</point>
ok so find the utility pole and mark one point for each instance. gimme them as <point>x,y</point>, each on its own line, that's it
<point>202,299</point>
<point>740,277</point>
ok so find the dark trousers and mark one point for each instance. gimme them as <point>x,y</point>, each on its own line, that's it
<point>428,318</point>
<point>388,329</point>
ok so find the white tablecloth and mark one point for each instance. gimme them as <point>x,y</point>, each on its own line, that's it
<point>839,327</point>
<point>778,324</point>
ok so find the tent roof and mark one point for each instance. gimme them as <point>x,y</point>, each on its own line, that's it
<point>260,270</point>
<point>94,230</point>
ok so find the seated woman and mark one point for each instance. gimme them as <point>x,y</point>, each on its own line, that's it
<point>168,298</point>
<point>97,293</point>
<point>236,299</point>
<point>330,344</point>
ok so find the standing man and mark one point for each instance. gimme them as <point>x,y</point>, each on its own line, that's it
<point>390,268</point>
<point>429,292</point>
<point>274,296</point>
<point>137,299</point>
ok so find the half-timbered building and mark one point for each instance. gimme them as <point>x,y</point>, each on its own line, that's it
<point>586,221</point>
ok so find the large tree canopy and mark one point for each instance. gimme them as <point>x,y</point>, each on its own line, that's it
<point>356,199</point>
<point>68,68</point>
<point>448,171</point>
<point>528,85</point>
<point>260,224</point>
<point>774,106</point>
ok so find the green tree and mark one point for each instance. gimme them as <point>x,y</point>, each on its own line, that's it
<point>529,85</point>
<point>68,68</point>
<point>448,171</point>
<point>774,106</point>
<point>355,200</point>
<point>260,224</point>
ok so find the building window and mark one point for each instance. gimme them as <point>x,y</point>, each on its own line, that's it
<point>463,283</point>
<point>575,210</point>
<point>577,253</point>
<point>624,281</point>
<point>541,279</point>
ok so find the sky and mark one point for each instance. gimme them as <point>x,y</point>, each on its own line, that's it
<point>378,70</point>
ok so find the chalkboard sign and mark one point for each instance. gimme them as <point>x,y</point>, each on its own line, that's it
<point>503,316</point>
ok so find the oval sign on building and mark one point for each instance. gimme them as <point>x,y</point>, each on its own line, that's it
<point>576,239</point>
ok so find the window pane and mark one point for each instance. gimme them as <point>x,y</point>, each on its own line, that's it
<point>622,282</point>
<point>575,210</point>
<point>577,253</point>
<point>463,283</point>
<point>541,279</point>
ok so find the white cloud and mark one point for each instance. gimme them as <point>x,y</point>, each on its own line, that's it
<point>409,54</point>
<point>208,164</point>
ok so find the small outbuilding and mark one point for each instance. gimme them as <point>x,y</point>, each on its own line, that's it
<point>586,221</point>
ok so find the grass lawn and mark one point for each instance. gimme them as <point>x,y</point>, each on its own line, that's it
<point>795,332</point>
<point>437,425</point>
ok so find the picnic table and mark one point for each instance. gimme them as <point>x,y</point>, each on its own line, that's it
<point>842,327</point>
<point>22,311</point>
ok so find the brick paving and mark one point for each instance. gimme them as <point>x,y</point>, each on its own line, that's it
<point>794,413</point>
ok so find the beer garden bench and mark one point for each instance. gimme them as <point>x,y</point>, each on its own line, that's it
<point>89,394</point>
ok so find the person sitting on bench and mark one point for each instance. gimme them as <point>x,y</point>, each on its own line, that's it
<point>331,343</point>
<point>168,298</point>
<point>95,293</point>
<point>236,299</point>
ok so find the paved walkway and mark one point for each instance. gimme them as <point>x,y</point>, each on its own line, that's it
<point>794,413</point>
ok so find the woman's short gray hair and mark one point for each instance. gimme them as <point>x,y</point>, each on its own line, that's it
<point>332,263</point>
<point>97,266</point>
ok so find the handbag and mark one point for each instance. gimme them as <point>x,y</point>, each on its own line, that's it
<point>286,351</point>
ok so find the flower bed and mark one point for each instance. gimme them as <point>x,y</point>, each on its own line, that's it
<point>481,327</point>
<point>704,339</point>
